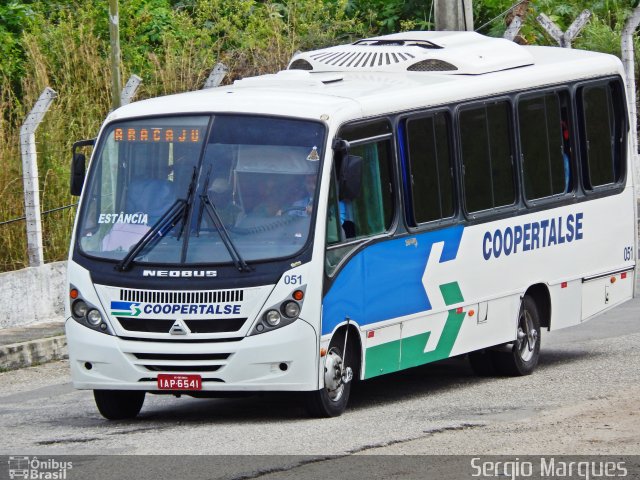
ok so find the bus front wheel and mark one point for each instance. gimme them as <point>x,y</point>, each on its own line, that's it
<point>331,400</point>
<point>119,404</point>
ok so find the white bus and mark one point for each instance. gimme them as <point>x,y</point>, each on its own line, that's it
<point>376,206</point>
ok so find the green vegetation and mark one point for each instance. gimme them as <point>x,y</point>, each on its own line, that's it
<point>172,45</point>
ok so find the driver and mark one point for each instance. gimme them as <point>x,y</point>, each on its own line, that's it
<point>304,205</point>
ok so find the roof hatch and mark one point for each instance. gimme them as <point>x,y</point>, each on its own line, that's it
<point>461,53</point>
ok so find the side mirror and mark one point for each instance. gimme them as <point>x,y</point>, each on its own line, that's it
<point>350,180</point>
<point>78,166</point>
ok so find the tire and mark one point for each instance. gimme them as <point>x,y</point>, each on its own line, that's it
<point>332,399</point>
<point>522,357</point>
<point>119,404</point>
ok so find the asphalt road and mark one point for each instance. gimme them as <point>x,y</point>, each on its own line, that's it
<point>404,413</point>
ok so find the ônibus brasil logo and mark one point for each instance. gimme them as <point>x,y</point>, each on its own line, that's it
<point>125,309</point>
<point>34,469</point>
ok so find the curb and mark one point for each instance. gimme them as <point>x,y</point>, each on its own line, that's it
<point>33,352</point>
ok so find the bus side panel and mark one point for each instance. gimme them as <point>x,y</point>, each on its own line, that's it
<point>390,283</point>
<point>606,292</point>
<point>565,303</point>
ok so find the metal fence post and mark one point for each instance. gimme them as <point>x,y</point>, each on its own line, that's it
<point>130,89</point>
<point>30,176</point>
<point>216,76</point>
<point>628,55</point>
<point>564,39</point>
<point>514,28</point>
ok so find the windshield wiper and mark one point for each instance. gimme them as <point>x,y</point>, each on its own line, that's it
<point>190,194</point>
<point>167,221</point>
<point>238,261</point>
<point>176,212</point>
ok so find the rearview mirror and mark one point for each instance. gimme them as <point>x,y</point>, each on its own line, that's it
<point>78,166</point>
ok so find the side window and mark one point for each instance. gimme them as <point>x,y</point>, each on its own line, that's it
<point>430,168</point>
<point>545,145</point>
<point>487,159</point>
<point>602,134</point>
<point>370,212</point>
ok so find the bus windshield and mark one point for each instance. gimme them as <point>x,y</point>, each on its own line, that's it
<point>214,187</point>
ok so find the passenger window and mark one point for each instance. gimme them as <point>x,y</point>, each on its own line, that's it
<point>487,156</point>
<point>430,168</point>
<point>545,150</point>
<point>603,135</point>
<point>371,212</point>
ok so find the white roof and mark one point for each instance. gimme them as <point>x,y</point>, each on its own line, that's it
<point>362,93</point>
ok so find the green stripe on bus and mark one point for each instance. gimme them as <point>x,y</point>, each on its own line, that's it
<point>412,352</point>
<point>382,359</point>
<point>451,293</point>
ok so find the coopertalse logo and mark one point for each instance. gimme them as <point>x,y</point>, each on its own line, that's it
<point>34,468</point>
<point>180,273</point>
<point>133,309</point>
<point>125,309</point>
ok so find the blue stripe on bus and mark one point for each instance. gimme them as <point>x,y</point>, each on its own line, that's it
<point>384,281</point>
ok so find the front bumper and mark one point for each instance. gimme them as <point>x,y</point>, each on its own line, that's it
<point>100,361</point>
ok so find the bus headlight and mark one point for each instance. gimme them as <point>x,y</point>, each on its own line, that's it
<point>290,309</point>
<point>87,314</point>
<point>273,318</point>
<point>94,318</point>
<point>281,314</point>
<point>80,309</point>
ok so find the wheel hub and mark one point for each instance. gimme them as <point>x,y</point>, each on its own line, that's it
<point>335,375</point>
<point>527,337</point>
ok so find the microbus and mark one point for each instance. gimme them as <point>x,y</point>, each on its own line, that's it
<point>374,207</point>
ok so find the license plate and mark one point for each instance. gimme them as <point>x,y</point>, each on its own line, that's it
<point>179,382</point>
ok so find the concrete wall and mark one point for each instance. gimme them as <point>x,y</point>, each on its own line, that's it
<point>33,295</point>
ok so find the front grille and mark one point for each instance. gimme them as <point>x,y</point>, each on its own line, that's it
<point>149,325</point>
<point>182,368</point>
<point>202,296</point>
<point>181,362</point>
<point>182,356</point>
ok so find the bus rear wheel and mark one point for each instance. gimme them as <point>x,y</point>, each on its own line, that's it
<point>119,404</point>
<point>522,358</point>
<point>332,399</point>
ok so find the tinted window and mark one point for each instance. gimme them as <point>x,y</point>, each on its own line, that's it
<point>545,159</point>
<point>603,120</point>
<point>430,168</point>
<point>486,156</point>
